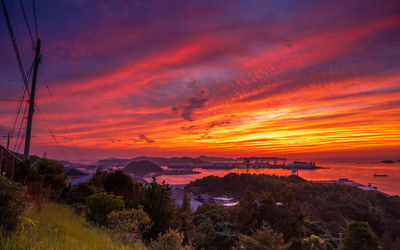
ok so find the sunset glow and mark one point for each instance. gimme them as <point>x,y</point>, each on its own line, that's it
<point>226,79</point>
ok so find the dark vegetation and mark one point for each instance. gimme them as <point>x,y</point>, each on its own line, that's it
<point>273,212</point>
<point>299,210</point>
<point>12,203</point>
<point>141,168</point>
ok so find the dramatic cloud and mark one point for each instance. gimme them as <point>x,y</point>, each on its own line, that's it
<point>210,77</point>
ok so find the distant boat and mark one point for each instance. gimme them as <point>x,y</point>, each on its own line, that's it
<point>387,161</point>
<point>380,175</point>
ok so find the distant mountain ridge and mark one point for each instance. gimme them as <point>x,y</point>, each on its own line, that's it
<point>161,161</point>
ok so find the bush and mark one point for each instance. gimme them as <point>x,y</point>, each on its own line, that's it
<point>359,236</point>
<point>40,176</point>
<point>99,205</point>
<point>12,204</point>
<point>118,183</point>
<point>79,193</point>
<point>265,238</point>
<point>171,240</point>
<point>129,224</point>
<point>314,243</point>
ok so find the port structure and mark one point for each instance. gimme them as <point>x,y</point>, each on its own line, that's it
<point>263,162</point>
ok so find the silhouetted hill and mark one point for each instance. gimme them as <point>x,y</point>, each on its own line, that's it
<point>213,159</point>
<point>160,161</point>
<point>141,168</point>
<point>185,160</point>
<point>156,160</point>
<point>113,162</point>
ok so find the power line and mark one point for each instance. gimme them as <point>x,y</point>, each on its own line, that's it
<point>11,100</point>
<point>14,42</point>
<point>28,27</point>
<point>19,140</point>
<point>60,114</point>
<point>8,81</point>
<point>20,104</point>
<point>35,19</point>
<point>51,133</point>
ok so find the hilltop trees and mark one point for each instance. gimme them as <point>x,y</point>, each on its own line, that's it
<point>161,209</point>
<point>213,230</point>
<point>264,238</point>
<point>307,215</point>
<point>359,236</point>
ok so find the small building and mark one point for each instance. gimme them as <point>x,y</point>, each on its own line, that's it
<point>226,201</point>
<point>7,162</point>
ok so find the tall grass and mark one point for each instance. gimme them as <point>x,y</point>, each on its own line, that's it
<point>58,227</point>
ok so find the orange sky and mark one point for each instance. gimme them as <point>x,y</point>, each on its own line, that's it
<point>295,80</point>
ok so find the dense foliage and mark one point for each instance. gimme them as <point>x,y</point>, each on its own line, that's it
<point>42,177</point>
<point>99,205</point>
<point>12,204</point>
<point>273,212</point>
<point>304,213</point>
<point>154,200</point>
<point>359,236</point>
<point>129,224</point>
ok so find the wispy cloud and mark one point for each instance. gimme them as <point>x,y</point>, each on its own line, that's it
<point>214,77</point>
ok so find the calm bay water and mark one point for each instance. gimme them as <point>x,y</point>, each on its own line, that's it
<point>361,172</point>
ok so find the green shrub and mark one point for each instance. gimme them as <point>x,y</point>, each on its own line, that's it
<point>99,205</point>
<point>265,238</point>
<point>12,204</point>
<point>129,224</point>
<point>314,243</point>
<point>171,240</point>
<point>79,193</point>
<point>359,236</point>
<point>41,176</point>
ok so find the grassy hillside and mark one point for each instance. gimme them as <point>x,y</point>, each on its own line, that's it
<point>58,227</point>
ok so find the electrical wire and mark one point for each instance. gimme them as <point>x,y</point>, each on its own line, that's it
<point>28,27</point>
<point>8,81</point>
<point>35,19</point>
<point>20,104</point>
<point>51,132</point>
<point>19,139</point>
<point>10,100</point>
<point>60,114</point>
<point>14,42</point>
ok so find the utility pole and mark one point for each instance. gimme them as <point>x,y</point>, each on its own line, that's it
<point>32,101</point>
<point>8,141</point>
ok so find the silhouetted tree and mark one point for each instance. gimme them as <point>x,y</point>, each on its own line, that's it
<point>161,209</point>
<point>359,236</point>
<point>79,193</point>
<point>99,205</point>
<point>264,238</point>
<point>118,183</point>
